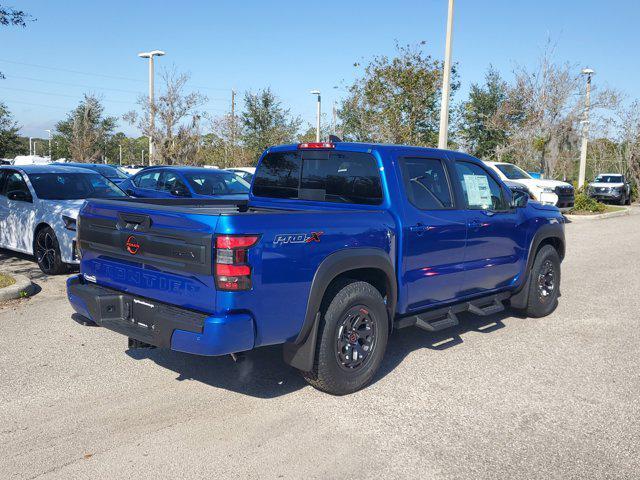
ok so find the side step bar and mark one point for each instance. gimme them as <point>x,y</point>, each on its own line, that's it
<point>441,318</point>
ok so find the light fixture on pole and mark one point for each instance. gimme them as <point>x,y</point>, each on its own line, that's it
<point>588,72</point>
<point>49,132</point>
<point>446,82</point>
<point>152,108</point>
<point>317,93</point>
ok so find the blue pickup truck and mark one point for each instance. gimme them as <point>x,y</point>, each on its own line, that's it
<point>338,245</point>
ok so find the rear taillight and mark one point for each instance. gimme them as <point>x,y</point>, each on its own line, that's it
<point>315,145</point>
<point>233,273</point>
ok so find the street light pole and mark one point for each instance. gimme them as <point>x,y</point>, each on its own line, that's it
<point>446,82</point>
<point>317,93</point>
<point>152,106</point>
<point>588,72</point>
<point>120,148</point>
<point>50,157</point>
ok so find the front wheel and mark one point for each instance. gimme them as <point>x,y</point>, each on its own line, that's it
<point>47,252</point>
<point>352,339</point>
<point>544,287</point>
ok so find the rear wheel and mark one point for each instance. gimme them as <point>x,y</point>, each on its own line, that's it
<point>47,251</point>
<point>352,338</point>
<point>544,285</point>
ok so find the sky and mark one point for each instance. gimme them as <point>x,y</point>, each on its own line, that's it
<point>291,46</point>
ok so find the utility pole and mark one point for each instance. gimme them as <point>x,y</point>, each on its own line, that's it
<point>142,157</point>
<point>318,110</point>
<point>588,72</point>
<point>120,149</point>
<point>152,105</point>
<point>446,83</point>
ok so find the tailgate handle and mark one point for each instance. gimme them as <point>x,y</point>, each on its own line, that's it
<point>132,221</point>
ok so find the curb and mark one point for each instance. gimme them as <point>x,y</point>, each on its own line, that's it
<point>601,216</point>
<point>23,284</point>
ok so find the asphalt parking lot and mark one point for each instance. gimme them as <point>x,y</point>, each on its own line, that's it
<point>504,397</point>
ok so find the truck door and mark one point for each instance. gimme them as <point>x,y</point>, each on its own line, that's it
<point>495,240</point>
<point>434,234</point>
<point>17,220</point>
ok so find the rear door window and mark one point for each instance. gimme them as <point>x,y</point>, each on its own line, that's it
<point>169,181</point>
<point>426,183</point>
<point>326,176</point>
<point>148,180</point>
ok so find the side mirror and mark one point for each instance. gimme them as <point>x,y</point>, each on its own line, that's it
<point>519,198</point>
<point>19,196</point>
<point>180,192</point>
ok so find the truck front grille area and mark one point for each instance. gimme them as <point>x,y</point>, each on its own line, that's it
<point>566,196</point>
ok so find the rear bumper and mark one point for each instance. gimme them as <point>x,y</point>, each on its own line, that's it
<point>161,324</point>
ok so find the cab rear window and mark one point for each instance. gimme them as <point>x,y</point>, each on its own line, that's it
<point>326,176</point>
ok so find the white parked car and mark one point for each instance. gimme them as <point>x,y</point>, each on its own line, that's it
<point>549,192</point>
<point>39,205</point>
<point>245,173</point>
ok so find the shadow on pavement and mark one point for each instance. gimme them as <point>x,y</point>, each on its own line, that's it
<point>262,373</point>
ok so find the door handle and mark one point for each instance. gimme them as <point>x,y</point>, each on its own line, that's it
<point>419,228</point>
<point>475,223</point>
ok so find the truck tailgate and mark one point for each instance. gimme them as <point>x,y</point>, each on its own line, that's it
<point>149,252</point>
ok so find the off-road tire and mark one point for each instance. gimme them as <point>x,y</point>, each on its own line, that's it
<point>540,305</point>
<point>47,252</point>
<point>329,374</point>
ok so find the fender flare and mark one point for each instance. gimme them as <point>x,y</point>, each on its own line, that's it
<point>555,231</point>
<point>301,352</point>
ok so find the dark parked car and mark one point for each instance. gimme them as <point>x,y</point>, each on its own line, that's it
<point>189,182</point>
<point>112,172</point>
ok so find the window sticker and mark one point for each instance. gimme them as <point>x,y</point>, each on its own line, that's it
<point>478,191</point>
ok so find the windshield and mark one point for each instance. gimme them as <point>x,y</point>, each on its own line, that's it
<point>73,186</point>
<point>512,172</point>
<point>216,183</point>
<point>110,171</point>
<point>608,179</point>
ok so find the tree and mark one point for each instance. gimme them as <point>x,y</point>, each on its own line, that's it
<point>627,124</point>
<point>176,133</point>
<point>479,129</point>
<point>265,122</point>
<point>85,132</point>
<point>396,100</point>
<point>10,144</point>
<point>9,16</point>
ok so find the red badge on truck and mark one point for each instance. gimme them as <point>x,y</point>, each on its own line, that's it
<point>132,245</point>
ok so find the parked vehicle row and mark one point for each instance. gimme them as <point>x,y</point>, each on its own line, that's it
<point>39,206</point>
<point>338,245</point>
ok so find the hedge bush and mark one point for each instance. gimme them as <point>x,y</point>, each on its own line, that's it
<point>584,203</point>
